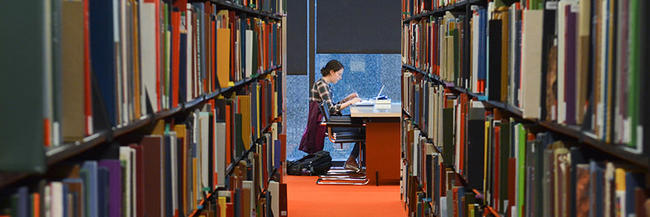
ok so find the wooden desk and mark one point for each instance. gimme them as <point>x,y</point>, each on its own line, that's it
<point>382,142</point>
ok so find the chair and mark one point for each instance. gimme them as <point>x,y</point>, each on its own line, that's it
<point>347,130</point>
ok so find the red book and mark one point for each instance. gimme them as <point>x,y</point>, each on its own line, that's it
<point>88,110</point>
<point>176,47</point>
<point>230,210</point>
<point>153,175</point>
<point>181,5</point>
<point>228,134</point>
<point>443,180</point>
<point>283,200</point>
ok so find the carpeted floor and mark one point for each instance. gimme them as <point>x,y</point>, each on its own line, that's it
<point>307,199</point>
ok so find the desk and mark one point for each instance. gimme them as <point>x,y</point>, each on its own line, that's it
<point>382,142</point>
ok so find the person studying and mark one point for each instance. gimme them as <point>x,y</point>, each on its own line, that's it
<point>314,136</point>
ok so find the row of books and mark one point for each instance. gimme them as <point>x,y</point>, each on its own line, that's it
<point>239,202</point>
<point>415,7</point>
<point>559,181</point>
<point>168,171</point>
<point>114,62</point>
<point>250,107</point>
<point>270,6</point>
<point>574,62</point>
<point>516,170</point>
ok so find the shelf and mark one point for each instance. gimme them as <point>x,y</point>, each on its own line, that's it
<point>60,153</point>
<point>191,104</point>
<point>9,178</point>
<point>503,106</point>
<point>242,83</point>
<point>133,126</point>
<point>431,77</point>
<point>442,10</point>
<point>569,131</point>
<point>68,150</point>
<point>249,11</point>
<point>609,148</point>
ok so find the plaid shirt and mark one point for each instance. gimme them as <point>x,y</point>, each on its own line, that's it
<point>320,93</point>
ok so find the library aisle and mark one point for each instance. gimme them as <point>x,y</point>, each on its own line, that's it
<point>307,199</point>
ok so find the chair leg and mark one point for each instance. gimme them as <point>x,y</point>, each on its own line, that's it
<point>341,176</point>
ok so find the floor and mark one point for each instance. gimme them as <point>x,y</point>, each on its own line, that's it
<point>307,199</point>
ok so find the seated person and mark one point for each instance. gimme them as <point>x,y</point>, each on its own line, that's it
<point>313,138</point>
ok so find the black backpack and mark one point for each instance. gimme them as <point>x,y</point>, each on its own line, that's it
<point>311,165</point>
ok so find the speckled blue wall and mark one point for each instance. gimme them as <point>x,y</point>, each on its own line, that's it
<point>364,74</point>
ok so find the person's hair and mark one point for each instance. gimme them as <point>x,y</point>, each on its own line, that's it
<point>332,65</point>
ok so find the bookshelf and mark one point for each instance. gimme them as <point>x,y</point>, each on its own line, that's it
<point>580,136</point>
<point>247,10</point>
<point>180,104</point>
<point>446,59</point>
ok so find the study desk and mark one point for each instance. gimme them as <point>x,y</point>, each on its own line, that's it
<point>382,142</point>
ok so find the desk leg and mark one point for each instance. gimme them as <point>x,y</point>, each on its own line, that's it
<point>383,152</point>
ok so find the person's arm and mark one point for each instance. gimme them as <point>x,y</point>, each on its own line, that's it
<point>350,102</point>
<point>350,97</point>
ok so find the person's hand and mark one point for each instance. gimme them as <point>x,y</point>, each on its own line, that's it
<point>355,100</point>
<point>351,96</point>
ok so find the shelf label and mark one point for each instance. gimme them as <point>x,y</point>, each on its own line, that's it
<point>551,5</point>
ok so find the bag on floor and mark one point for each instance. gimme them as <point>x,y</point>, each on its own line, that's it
<point>311,165</point>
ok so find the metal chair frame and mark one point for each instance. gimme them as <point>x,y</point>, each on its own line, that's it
<point>339,175</point>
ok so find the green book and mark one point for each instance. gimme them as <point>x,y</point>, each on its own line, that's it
<point>448,137</point>
<point>633,81</point>
<point>22,85</point>
<point>239,142</point>
<point>521,167</point>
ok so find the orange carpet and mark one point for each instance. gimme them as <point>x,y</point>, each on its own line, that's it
<point>307,199</point>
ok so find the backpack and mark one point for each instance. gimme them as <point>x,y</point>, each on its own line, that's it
<point>311,165</point>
